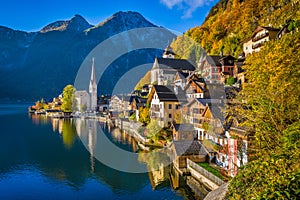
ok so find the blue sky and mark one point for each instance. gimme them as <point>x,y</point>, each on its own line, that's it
<point>32,15</point>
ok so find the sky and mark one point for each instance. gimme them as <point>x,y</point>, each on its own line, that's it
<point>33,15</point>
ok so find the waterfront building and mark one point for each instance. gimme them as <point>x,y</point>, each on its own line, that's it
<point>87,100</point>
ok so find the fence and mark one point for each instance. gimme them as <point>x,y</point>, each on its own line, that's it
<point>131,128</point>
<point>204,172</point>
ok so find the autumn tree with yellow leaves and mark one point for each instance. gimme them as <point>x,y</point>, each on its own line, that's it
<point>271,110</point>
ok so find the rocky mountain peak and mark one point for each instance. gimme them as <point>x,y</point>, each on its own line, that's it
<point>76,23</point>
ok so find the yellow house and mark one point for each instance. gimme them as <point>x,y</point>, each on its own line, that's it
<point>164,104</point>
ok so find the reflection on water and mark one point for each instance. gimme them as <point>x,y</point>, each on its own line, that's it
<point>47,158</point>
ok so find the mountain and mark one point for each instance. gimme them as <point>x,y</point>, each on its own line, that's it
<point>77,23</point>
<point>39,65</point>
<point>230,22</point>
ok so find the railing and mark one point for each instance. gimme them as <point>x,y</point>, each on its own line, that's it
<point>254,46</point>
<point>260,37</point>
<point>131,128</point>
<point>204,172</point>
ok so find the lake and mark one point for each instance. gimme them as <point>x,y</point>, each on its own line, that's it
<point>46,158</point>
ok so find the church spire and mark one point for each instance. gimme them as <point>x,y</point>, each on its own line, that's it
<point>93,88</point>
<point>168,52</point>
<point>93,75</point>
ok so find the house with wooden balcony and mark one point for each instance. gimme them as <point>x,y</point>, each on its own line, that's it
<point>195,87</point>
<point>261,35</point>
<point>207,118</point>
<point>164,103</point>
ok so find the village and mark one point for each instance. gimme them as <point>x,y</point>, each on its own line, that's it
<point>183,107</point>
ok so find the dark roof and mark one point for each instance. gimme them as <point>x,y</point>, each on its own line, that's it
<point>167,94</point>
<point>183,75</point>
<point>177,64</point>
<point>259,28</point>
<point>185,147</point>
<point>228,57</point>
<point>183,127</point>
<point>214,60</point>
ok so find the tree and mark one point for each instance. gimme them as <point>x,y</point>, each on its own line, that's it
<point>144,115</point>
<point>230,80</point>
<point>68,97</point>
<point>271,112</point>
<point>153,128</point>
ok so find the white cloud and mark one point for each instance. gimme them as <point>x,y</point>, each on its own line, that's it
<point>188,6</point>
<point>171,3</point>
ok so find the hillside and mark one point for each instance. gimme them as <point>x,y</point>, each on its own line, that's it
<point>230,22</point>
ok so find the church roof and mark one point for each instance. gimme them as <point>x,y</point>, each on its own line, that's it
<point>177,64</point>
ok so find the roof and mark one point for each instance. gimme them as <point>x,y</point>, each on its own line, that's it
<point>166,94</point>
<point>183,75</point>
<point>208,101</point>
<point>168,50</point>
<point>183,127</point>
<point>214,60</point>
<point>215,106</point>
<point>186,147</point>
<point>177,64</point>
<point>228,57</point>
<point>259,28</point>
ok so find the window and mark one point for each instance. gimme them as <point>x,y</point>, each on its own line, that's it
<point>177,107</point>
<point>170,106</point>
<point>170,116</point>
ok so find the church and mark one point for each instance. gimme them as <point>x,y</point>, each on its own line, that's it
<point>164,69</point>
<point>87,100</point>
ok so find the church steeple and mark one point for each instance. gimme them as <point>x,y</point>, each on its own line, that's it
<point>93,87</point>
<point>168,52</point>
<point>93,75</point>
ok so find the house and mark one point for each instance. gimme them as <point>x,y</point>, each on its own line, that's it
<point>259,37</point>
<point>120,104</point>
<point>164,103</point>
<point>212,67</point>
<point>247,46</point>
<point>207,118</point>
<point>195,87</point>
<point>180,79</point>
<point>164,69</point>
<point>87,99</point>
<point>183,132</point>
<point>188,149</point>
